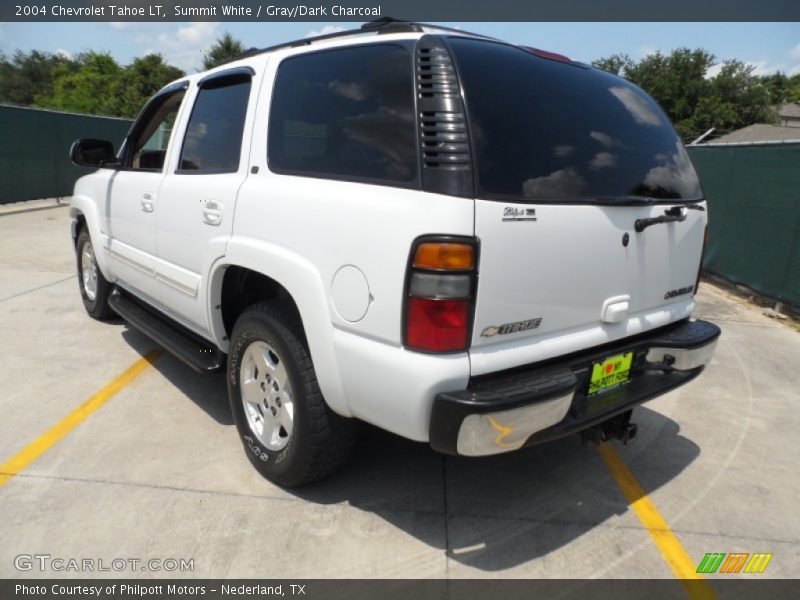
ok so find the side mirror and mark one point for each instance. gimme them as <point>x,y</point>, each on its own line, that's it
<point>93,153</point>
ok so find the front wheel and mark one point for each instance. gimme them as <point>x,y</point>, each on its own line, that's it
<point>289,433</point>
<point>95,289</point>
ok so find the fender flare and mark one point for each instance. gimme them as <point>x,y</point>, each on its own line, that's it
<point>81,205</point>
<point>305,285</point>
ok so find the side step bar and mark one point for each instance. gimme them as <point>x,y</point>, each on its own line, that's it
<point>196,352</point>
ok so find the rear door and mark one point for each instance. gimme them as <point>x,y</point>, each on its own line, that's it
<point>198,195</point>
<point>568,159</point>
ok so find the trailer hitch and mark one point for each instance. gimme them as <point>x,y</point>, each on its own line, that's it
<point>617,428</point>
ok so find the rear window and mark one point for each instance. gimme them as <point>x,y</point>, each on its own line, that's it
<point>346,113</point>
<point>543,130</point>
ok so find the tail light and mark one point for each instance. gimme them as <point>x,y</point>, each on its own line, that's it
<point>702,256</point>
<point>440,289</point>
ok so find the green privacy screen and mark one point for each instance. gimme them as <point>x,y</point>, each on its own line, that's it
<point>753,194</point>
<point>34,150</point>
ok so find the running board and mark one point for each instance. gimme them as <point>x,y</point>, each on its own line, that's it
<point>196,352</point>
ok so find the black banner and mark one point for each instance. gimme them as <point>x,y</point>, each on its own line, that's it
<point>744,587</point>
<point>412,10</point>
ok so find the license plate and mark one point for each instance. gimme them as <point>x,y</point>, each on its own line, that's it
<point>610,373</point>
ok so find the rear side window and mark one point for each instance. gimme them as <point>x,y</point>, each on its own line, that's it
<point>543,130</point>
<point>346,113</point>
<point>213,140</point>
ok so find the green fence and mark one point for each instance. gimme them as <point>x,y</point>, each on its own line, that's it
<point>34,148</point>
<point>754,215</point>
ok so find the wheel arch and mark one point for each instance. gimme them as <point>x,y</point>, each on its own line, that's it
<point>252,271</point>
<point>84,214</point>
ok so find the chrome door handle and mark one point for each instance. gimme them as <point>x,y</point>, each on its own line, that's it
<point>147,203</point>
<point>212,213</point>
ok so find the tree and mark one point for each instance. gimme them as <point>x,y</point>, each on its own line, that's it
<point>94,83</point>
<point>616,63</point>
<point>87,89</point>
<point>25,75</point>
<point>225,48</point>
<point>676,81</point>
<point>680,83</point>
<point>777,86</point>
<point>138,82</point>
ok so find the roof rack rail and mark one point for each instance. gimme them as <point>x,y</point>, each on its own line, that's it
<point>382,25</point>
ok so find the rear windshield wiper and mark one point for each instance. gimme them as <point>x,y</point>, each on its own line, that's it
<point>671,215</point>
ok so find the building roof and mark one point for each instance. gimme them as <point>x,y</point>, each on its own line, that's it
<point>790,110</point>
<point>759,132</point>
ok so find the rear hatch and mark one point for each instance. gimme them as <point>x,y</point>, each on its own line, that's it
<point>568,158</point>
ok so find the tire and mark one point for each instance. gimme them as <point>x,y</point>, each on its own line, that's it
<point>288,432</point>
<point>95,289</point>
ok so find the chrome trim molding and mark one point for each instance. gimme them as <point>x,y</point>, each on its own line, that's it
<point>192,292</point>
<point>682,359</point>
<point>494,433</point>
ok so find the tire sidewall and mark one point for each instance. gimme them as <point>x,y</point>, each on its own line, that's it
<point>91,305</point>
<point>273,463</point>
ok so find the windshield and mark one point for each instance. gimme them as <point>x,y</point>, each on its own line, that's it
<point>544,130</point>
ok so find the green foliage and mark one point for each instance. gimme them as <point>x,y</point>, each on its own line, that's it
<point>616,63</point>
<point>679,82</point>
<point>139,81</point>
<point>25,75</point>
<point>91,83</point>
<point>86,89</point>
<point>225,48</point>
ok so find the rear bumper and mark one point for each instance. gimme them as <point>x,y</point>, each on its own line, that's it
<point>505,411</point>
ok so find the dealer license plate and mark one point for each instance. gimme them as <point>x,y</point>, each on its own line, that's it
<point>610,373</point>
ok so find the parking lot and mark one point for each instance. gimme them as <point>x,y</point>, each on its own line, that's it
<point>157,471</point>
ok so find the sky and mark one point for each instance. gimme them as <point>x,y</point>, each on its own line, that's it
<point>767,46</point>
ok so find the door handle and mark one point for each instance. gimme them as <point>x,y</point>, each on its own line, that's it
<point>212,213</point>
<point>147,202</point>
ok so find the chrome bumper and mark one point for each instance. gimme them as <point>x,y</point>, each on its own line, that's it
<point>494,433</point>
<point>682,359</point>
<point>504,412</point>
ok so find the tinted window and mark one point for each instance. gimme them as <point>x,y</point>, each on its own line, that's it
<point>149,145</point>
<point>545,130</point>
<point>213,140</point>
<point>346,113</point>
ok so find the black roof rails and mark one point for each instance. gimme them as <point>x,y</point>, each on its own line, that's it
<point>382,25</point>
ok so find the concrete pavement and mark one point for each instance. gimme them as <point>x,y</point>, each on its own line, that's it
<point>158,471</point>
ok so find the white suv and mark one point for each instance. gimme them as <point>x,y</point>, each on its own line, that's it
<point>468,243</point>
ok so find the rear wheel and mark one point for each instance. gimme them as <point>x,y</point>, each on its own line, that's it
<point>95,289</point>
<point>289,433</point>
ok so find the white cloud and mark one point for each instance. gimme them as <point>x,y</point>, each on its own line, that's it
<point>119,25</point>
<point>604,139</point>
<point>603,160</point>
<point>65,53</point>
<point>324,31</point>
<point>182,46</point>
<point>713,71</point>
<point>564,183</point>
<point>563,151</point>
<point>641,112</point>
<point>795,52</point>
<point>675,174</point>
<point>762,67</point>
<point>646,51</point>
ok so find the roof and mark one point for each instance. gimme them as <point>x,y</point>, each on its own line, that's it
<point>759,132</point>
<point>789,110</point>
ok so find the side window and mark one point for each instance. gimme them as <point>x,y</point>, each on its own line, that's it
<point>213,140</point>
<point>346,113</point>
<point>151,136</point>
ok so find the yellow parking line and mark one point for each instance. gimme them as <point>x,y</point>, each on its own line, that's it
<point>48,439</point>
<point>668,544</point>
